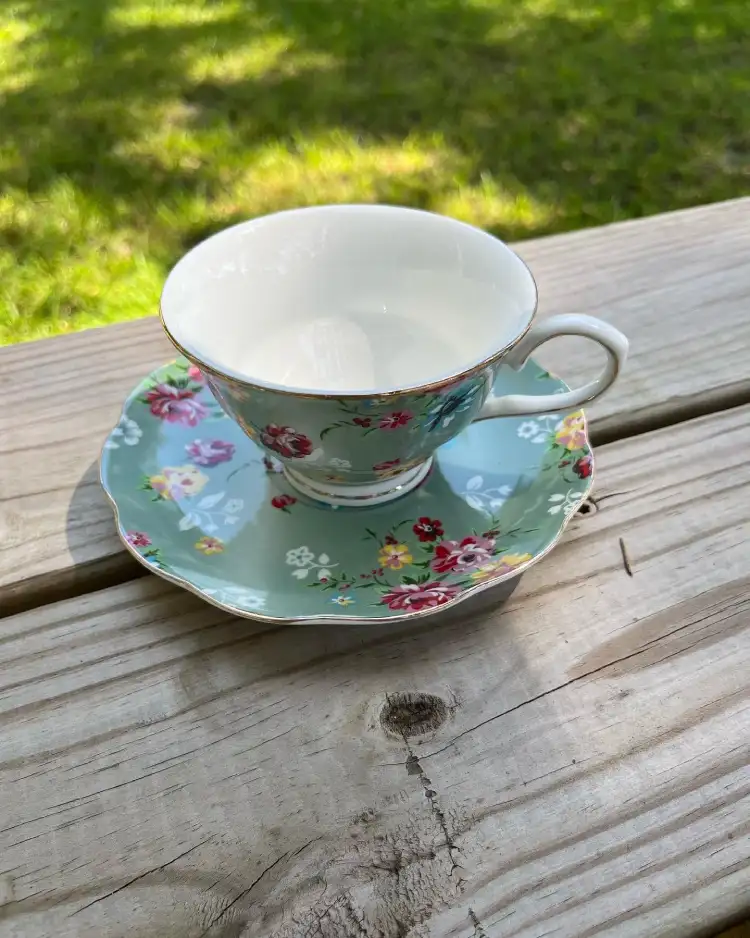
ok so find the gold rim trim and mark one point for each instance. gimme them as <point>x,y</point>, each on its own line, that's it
<point>341,620</point>
<point>256,385</point>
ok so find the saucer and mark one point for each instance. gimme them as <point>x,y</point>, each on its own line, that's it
<point>201,505</point>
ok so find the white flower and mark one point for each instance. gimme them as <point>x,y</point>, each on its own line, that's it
<point>127,431</point>
<point>237,596</point>
<point>300,557</point>
<point>233,506</point>
<point>131,432</point>
<point>339,463</point>
<point>528,429</point>
<point>343,600</point>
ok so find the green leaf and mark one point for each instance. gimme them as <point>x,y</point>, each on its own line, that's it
<point>408,580</point>
<point>423,578</point>
<point>371,534</point>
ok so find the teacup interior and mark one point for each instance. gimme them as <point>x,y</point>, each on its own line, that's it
<point>347,299</point>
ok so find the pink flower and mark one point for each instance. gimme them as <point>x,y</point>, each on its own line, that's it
<point>283,501</point>
<point>571,432</point>
<point>175,405</point>
<point>195,374</point>
<point>210,452</point>
<point>362,421</point>
<point>411,597</point>
<point>138,539</point>
<point>286,441</point>
<point>399,418</point>
<point>462,556</point>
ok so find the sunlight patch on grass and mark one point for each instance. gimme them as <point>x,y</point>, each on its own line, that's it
<point>169,13</point>
<point>132,129</point>
<point>274,55</point>
<point>488,205</point>
<point>338,167</point>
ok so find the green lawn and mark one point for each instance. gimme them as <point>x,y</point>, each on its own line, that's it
<point>131,129</point>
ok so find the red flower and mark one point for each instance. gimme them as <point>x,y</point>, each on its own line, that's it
<point>411,597</point>
<point>399,418</point>
<point>390,539</point>
<point>583,467</point>
<point>138,539</point>
<point>283,501</point>
<point>362,421</point>
<point>286,441</point>
<point>428,529</point>
<point>175,405</point>
<point>462,556</point>
<point>195,374</point>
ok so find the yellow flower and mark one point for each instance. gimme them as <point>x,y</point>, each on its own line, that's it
<point>571,433</point>
<point>178,482</point>
<point>209,545</point>
<point>497,568</point>
<point>394,556</point>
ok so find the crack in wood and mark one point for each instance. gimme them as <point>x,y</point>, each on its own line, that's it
<point>413,767</point>
<point>479,931</point>
<point>135,879</point>
<point>245,892</point>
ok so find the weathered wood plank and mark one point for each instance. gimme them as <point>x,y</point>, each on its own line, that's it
<point>168,770</point>
<point>677,284</point>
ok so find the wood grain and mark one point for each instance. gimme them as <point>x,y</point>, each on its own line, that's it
<point>166,770</point>
<point>677,284</point>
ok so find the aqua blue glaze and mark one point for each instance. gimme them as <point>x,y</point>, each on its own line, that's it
<point>202,504</point>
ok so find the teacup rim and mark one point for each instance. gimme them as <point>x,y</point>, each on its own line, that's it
<point>256,384</point>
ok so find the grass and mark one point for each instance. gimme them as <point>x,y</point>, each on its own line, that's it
<point>131,129</point>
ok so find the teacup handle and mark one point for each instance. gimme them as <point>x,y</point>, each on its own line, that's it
<point>612,340</point>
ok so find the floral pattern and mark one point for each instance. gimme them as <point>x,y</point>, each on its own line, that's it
<point>286,441</point>
<point>175,482</point>
<point>176,405</point>
<point>175,397</point>
<point>444,410</point>
<point>566,504</point>
<point>413,597</point>
<point>127,432</point>
<point>283,502</point>
<point>394,556</point>
<point>428,529</point>
<point>464,555</point>
<point>571,432</point>
<point>490,498</point>
<point>437,411</point>
<point>441,567</point>
<point>419,553</point>
<point>209,545</point>
<point>210,452</point>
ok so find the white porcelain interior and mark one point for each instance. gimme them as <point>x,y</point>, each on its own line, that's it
<point>347,298</point>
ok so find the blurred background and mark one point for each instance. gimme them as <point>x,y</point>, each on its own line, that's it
<point>131,129</point>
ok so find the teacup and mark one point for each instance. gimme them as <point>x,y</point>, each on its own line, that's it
<point>351,341</point>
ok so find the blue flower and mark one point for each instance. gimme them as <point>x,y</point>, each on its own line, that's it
<point>456,403</point>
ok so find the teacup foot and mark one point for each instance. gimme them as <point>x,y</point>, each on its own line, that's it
<point>360,496</point>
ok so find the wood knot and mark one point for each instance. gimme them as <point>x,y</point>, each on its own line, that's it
<point>413,714</point>
<point>588,507</point>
